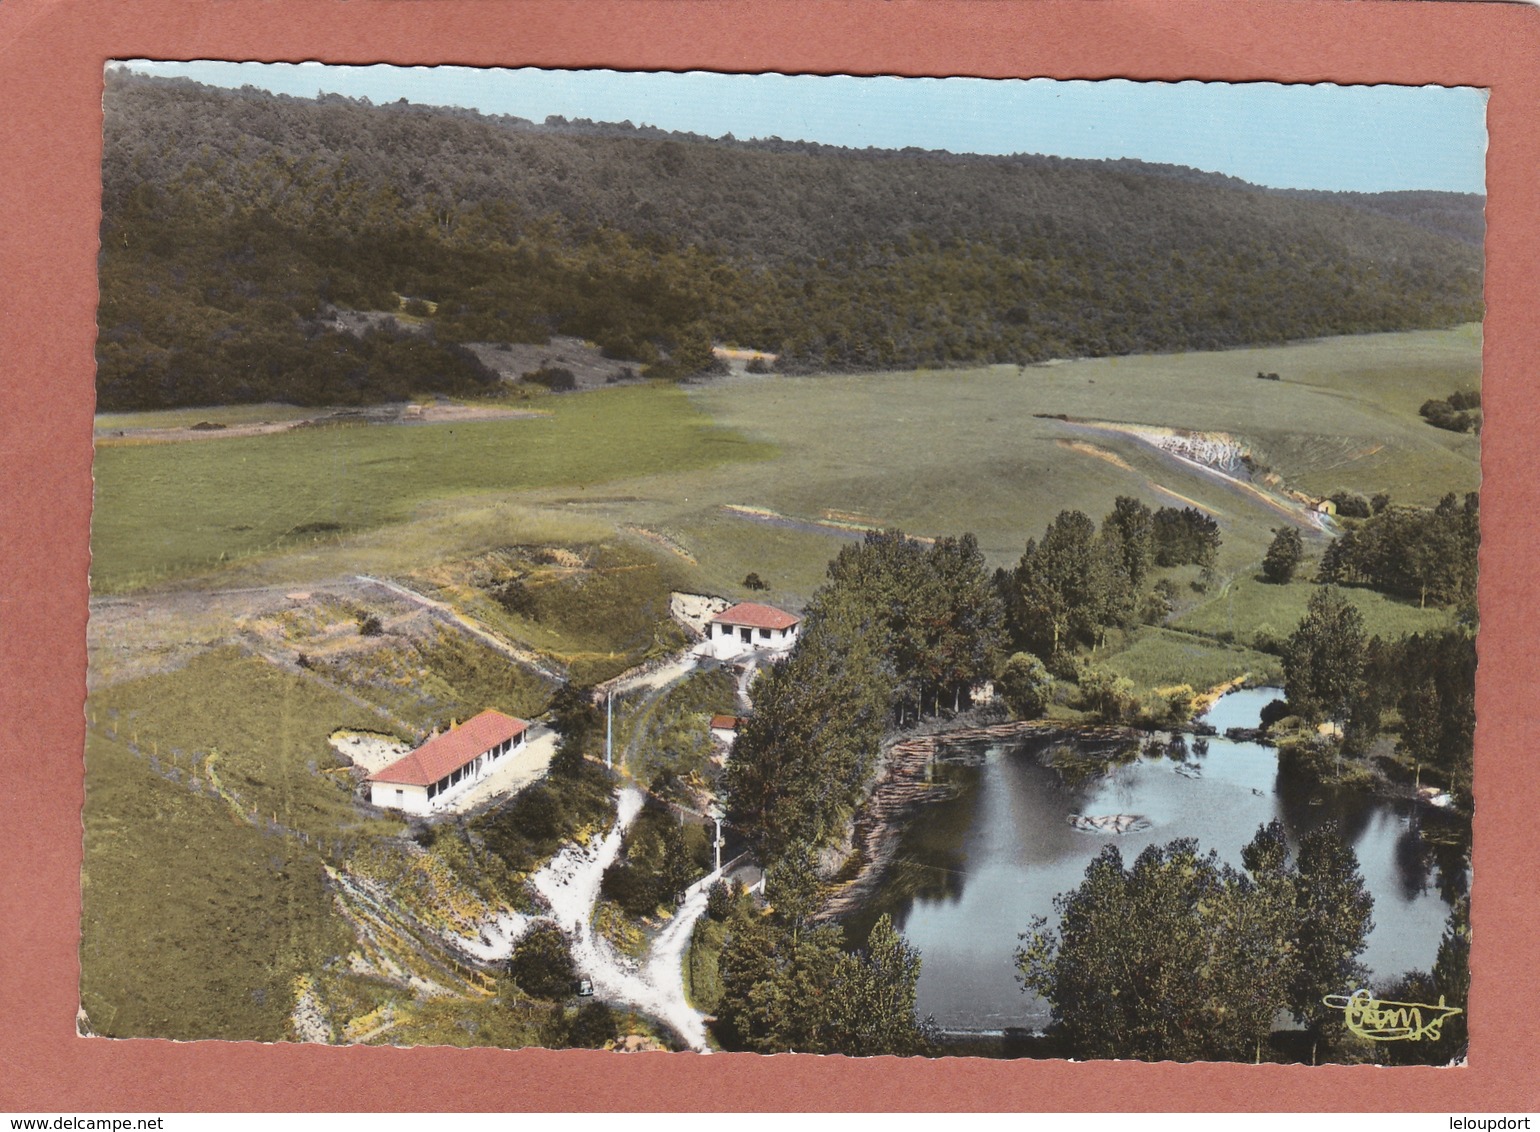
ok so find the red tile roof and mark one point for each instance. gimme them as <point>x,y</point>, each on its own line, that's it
<point>729,722</point>
<point>756,616</point>
<point>448,752</point>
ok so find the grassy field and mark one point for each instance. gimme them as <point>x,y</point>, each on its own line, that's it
<point>195,924</point>
<point>1248,608</point>
<point>1157,657</point>
<point>261,732</point>
<point>169,509</point>
<point>934,452</point>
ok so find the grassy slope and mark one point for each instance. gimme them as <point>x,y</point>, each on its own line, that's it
<point>194,925</point>
<point>269,728</point>
<point>198,914</point>
<point>1157,657</point>
<point>167,509</point>
<point>1248,607</point>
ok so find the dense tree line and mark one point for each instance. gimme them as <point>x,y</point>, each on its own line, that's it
<point>1184,958</point>
<point>899,628</point>
<point>238,214</point>
<point>1428,554</point>
<point>789,984</point>
<point>1430,680</point>
<point>1075,584</point>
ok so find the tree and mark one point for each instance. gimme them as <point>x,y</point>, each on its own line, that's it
<point>576,719</point>
<point>752,1009</point>
<point>872,998</point>
<point>1324,658</point>
<point>541,964</point>
<point>1025,685</point>
<point>1283,556</point>
<point>1182,957</point>
<point>1055,597</point>
<point>1132,527</point>
<point>1144,961</point>
<point>1332,910</point>
<point>752,581</point>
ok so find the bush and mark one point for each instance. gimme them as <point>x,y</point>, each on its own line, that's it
<point>594,1027</point>
<point>1110,698</point>
<point>757,365</point>
<point>1025,686</point>
<point>1273,712</point>
<point>417,308</point>
<point>755,582</point>
<point>719,901</point>
<point>541,964</point>
<point>554,378</point>
<point>1351,505</point>
<point>369,625</point>
<point>1283,556</point>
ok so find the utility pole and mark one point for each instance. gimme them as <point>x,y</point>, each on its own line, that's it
<point>609,760</point>
<point>717,842</point>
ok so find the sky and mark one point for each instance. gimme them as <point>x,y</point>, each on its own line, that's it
<point>1354,138</point>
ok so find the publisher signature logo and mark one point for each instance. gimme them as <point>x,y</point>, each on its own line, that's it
<point>1381,1021</point>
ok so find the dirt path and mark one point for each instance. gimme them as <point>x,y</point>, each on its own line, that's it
<point>375,415</point>
<point>570,884</point>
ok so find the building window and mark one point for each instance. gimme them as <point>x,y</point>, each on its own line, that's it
<point>764,634</point>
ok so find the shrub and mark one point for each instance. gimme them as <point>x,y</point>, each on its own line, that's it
<point>594,1027</point>
<point>417,308</point>
<point>1025,686</point>
<point>541,964</point>
<point>753,581</point>
<point>1110,698</point>
<point>1284,555</point>
<point>719,901</point>
<point>757,365</point>
<point>1351,505</point>
<point>1273,712</point>
<point>554,378</point>
<point>370,625</point>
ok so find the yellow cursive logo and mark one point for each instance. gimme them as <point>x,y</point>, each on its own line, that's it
<point>1380,1021</point>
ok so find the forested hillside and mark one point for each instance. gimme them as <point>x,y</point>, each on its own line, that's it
<point>234,219</point>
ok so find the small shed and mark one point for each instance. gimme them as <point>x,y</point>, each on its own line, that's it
<point>725,727</point>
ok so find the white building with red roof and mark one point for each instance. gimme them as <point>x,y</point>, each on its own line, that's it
<point>748,628</point>
<point>725,727</point>
<point>446,765</point>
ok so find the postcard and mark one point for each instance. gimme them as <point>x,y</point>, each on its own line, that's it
<point>825,577</point>
<point>784,564</point>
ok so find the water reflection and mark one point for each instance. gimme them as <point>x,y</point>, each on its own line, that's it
<point>973,868</point>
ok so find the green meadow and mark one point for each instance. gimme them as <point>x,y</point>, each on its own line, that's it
<point>717,480</point>
<point>164,510</point>
<point>199,911</point>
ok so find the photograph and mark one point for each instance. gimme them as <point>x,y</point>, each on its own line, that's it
<point>785,563</point>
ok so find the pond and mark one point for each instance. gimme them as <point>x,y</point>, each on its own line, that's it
<point>973,868</point>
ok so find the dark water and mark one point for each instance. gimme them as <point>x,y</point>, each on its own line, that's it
<point>973,869</point>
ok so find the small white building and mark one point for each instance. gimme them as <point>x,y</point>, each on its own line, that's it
<point>749,627</point>
<point>447,765</point>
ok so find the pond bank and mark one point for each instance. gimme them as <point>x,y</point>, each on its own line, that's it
<point>905,784</point>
